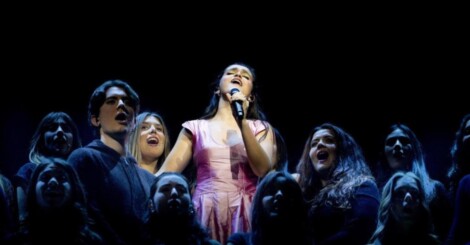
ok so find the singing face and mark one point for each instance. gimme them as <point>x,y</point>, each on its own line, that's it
<point>278,200</point>
<point>405,199</point>
<point>53,188</point>
<point>58,138</point>
<point>116,115</point>
<point>172,196</point>
<point>236,76</point>
<point>398,150</point>
<point>152,139</point>
<point>323,151</point>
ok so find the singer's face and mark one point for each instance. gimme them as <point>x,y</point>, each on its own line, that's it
<point>323,151</point>
<point>53,188</point>
<point>152,138</point>
<point>116,114</point>
<point>278,198</point>
<point>236,76</point>
<point>58,138</point>
<point>398,149</point>
<point>172,195</point>
<point>405,199</point>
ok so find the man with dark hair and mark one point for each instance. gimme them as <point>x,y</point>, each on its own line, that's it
<point>117,189</point>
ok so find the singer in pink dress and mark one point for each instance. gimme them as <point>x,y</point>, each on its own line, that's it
<point>231,151</point>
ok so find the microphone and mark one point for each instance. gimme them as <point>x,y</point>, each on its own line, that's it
<point>238,105</point>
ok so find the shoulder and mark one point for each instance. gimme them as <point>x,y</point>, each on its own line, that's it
<point>464,184</point>
<point>85,157</point>
<point>5,182</point>
<point>258,126</point>
<point>368,188</point>
<point>465,180</point>
<point>24,173</point>
<point>78,155</point>
<point>88,150</point>
<point>192,122</point>
<point>94,148</point>
<point>258,123</point>
<point>27,167</point>
<point>193,125</point>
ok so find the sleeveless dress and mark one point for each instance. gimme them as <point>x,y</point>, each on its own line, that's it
<point>225,183</point>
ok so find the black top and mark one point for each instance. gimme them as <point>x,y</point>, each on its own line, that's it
<point>331,225</point>
<point>22,177</point>
<point>117,191</point>
<point>459,232</point>
<point>441,210</point>
<point>8,223</point>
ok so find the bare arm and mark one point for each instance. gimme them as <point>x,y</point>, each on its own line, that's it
<point>260,154</point>
<point>180,155</point>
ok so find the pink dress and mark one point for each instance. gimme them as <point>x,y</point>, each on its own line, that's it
<point>225,183</point>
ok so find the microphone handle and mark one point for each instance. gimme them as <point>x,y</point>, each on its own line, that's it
<point>239,109</point>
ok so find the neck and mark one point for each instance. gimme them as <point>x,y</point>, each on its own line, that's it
<point>149,165</point>
<point>116,143</point>
<point>224,110</point>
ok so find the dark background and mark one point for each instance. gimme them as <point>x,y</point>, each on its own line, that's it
<point>362,78</point>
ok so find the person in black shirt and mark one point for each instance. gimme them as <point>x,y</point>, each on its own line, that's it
<point>117,189</point>
<point>336,181</point>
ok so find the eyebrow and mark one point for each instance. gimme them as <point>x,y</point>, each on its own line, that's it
<point>115,96</point>
<point>152,123</point>
<point>244,71</point>
<point>178,185</point>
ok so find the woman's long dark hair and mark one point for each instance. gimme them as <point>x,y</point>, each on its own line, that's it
<point>254,110</point>
<point>460,153</point>
<point>417,164</point>
<point>72,218</point>
<point>349,172</point>
<point>424,224</point>
<point>38,148</point>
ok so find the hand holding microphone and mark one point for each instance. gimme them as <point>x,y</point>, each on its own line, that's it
<point>237,104</point>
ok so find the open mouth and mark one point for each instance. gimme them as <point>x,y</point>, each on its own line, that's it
<point>153,141</point>
<point>236,81</point>
<point>53,194</point>
<point>60,142</point>
<point>398,154</point>
<point>174,203</point>
<point>60,139</point>
<point>322,155</point>
<point>276,205</point>
<point>122,116</point>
